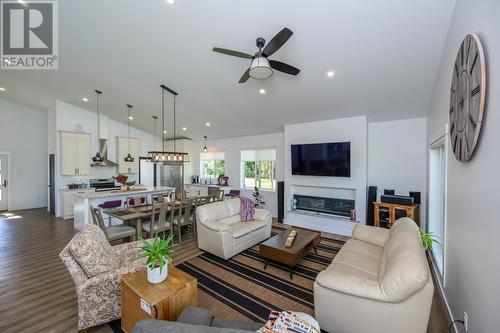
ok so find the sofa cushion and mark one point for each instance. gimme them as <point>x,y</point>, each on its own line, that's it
<point>196,316</point>
<point>213,211</point>
<point>364,248</point>
<point>230,220</point>
<point>233,206</point>
<point>92,251</point>
<point>245,325</point>
<point>406,270</point>
<point>358,260</point>
<point>241,229</point>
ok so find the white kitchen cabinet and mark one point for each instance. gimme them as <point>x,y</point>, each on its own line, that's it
<point>75,154</point>
<point>67,202</point>
<point>122,151</point>
<point>194,190</point>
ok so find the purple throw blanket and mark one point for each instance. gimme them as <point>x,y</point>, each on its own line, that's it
<point>247,209</point>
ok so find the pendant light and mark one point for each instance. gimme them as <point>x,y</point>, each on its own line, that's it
<point>166,156</point>
<point>129,157</point>
<point>205,149</point>
<point>155,157</point>
<point>98,158</point>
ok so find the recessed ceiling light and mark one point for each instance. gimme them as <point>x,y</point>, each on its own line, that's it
<point>184,129</point>
<point>2,89</point>
<point>207,124</point>
<point>171,2</point>
<point>85,99</point>
<point>262,91</point>
<point>131,118</point>
<point>330,73</point>
<point>164,132</point>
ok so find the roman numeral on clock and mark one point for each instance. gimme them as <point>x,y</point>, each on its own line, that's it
<point>473,63</point>
<point>475,91</point>
<point>452,109</point>
<point>472,121</point>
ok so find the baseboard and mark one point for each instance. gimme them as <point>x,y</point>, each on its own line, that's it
<point>442,294</point>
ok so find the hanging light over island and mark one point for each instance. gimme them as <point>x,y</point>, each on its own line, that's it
<point>167,156</point>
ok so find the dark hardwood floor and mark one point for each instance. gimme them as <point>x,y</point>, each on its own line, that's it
<point>37,293</point>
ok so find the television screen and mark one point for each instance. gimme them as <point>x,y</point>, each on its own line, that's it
<point>322,159</point>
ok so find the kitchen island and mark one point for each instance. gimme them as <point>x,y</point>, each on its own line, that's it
<point>83,201</point>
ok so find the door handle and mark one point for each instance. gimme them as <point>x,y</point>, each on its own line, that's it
<point>5,183</point>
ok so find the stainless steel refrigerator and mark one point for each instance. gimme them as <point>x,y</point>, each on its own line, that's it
<point>172,174</point>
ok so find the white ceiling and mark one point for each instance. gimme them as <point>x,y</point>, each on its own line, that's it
<point>385,55</point>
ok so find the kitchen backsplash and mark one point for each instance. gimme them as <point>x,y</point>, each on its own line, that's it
<point>95,173</point>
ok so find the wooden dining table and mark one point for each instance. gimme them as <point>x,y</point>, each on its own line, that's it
<point>135,215</point>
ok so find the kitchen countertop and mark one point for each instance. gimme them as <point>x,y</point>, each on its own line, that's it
<point>119,193</point>
<point>76,189</point>
<point>207,185</point>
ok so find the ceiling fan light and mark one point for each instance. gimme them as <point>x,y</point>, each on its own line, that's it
<point>260,68</point>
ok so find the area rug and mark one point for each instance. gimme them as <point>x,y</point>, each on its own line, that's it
<point>240,288</point>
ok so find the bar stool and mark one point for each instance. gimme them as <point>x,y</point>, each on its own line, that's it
<point>113,204</point>
<point>233,194</point>
<point>135,201</point>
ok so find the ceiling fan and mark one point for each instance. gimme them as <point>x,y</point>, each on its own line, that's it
<point>261,67</point>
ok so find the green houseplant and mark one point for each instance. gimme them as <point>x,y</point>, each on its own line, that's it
<point>257,198</point>
<point>158,254</point>
<point>428,239</point>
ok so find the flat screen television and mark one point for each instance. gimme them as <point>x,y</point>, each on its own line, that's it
<point>322,159</point>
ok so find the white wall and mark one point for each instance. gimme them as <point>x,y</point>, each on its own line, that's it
<point>23,132</point>
<point>397,157</point>
<point>352,129</point>
<point>472,225</point>
<point>232,148</point>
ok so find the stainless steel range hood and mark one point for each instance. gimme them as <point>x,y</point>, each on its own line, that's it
<point>103,150</point>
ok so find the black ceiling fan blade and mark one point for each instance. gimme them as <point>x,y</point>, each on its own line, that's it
<point>282,67</point>
<point>245,76</point>
<point>277,41</point>
<point>232,53</point>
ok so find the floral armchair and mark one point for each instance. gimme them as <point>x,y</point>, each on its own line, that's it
<point>96,268</point>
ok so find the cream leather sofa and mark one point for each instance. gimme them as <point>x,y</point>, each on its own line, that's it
<point>379,282</point>
<point>221,232</point>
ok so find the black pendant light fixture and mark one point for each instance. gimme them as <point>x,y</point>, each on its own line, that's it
<point>129,157</point>
<point>98,158</point>
<point>205,149</point>
<point>155,157</point>
<point>166,156</point>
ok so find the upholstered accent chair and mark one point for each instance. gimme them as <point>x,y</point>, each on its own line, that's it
<point>97,268</point>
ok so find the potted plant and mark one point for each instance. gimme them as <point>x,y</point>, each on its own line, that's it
<point>428,239</point>
<point>159,254</point>
<point>257,198</point>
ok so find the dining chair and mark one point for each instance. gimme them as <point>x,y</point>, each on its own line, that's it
<point>185,213</point>
<point>112,204</point>
<point>162,216</point>
<point>136,201</point>
<point>218,195</point>
<point>114,232</point>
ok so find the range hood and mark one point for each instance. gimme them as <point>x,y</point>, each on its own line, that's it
<point>103,150</point>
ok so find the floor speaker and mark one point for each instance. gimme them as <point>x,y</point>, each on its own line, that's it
<point>416,197</point>
<point>281,200</point>
<point>371,198</point>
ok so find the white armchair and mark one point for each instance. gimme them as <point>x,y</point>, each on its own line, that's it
<point>221,232</point>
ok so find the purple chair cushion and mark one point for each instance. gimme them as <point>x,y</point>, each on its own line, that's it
<point>110,204</point>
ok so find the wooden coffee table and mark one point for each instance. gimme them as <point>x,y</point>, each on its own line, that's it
<point>274,248</point>
<point>165,300</point>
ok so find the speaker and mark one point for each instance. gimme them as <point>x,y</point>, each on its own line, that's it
<point>397,199</point>
<point>281,200</point>
<point>371,197</point>
<point>388,192</point>
<point>416,197</point>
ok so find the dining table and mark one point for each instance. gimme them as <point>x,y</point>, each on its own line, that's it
<point>135,215</point>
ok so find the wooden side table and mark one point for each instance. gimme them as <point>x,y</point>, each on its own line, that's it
<point>164,301</point>
<point>412,211</point>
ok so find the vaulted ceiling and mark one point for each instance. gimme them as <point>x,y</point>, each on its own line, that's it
<point>385,55</point>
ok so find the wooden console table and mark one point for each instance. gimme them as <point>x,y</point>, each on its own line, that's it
<point>412,211</point>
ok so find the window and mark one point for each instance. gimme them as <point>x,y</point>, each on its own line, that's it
<point>212,165</point>
<point>437,184</point>
<point>258,169</point>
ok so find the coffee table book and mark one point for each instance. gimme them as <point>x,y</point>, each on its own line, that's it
<point>163,301</point>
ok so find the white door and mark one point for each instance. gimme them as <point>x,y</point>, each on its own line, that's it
<point>4,185</point>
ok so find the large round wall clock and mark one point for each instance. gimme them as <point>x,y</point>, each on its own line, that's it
<point>467,100</point>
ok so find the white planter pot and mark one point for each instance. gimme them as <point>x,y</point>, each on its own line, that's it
<point>155,276</point>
